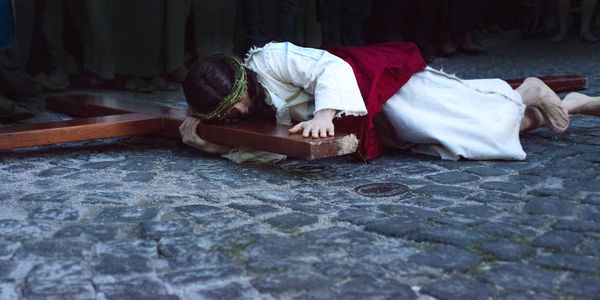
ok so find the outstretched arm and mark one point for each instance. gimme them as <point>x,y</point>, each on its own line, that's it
<point>187,129</point>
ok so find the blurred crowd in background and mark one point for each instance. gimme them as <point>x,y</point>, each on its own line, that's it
<point>144,45</point>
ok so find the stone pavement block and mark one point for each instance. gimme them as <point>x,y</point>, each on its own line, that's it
<point>579,285</point>
<point>101,186</point>
<point>487,171</point>
<point>112,265</point>
<point>210,259</point>
<point>518,277</point>
<point>474,211</point>
<point>311,207</point>
<point>56,171</point>
<point>395,226</point>
<point>291,221</point>
<point>358,216</point>
<point>155,230</point>
<point>56,214</point>
<point>139,164</point>
<point>506,230</point>
<point>232,290</point>
<point>139,177</point>
<point>414,213</point>
<point>504,201</point>
<point>524,296</point>
<point>592,198</point>
<point>589,212</point>
<point>337,236</point>
<point>458,288</point>
<point>524,219</point>
<point>442,191</point>
<point>126,214</point>
<point>450,235</point>
<point>58,279</point>
<point>558,240</point>
<point>54,248</point>
<point>549,207</point>
<point>95,232</point>
<point>49,196</point>
<point>508,251</point>
<point>448,258</point>
<point>111,198</point>
<point>127,248</point>
<point>224,220</point>
<point>176,247</point>
<point>562,194</point>
<point>592,246</point>
<point>6,269</point>
<point>196,211</point>
<point>507,187</point>
<point>203,275</point>
<point>275,284</point>
<point>341,271</point>
<point>274,246</point>
<point>428,203</point>
<point>368,287</point>
<point>577,225</point>
<point>453,177</point>
<point>7,249</point>
<point>253,209</point>
<point>134,288</point>
<point>9,290</point>
<point>261,265</point>
<point>573,262</point>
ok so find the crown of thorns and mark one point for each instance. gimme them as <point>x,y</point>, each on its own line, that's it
<point>237,91</point>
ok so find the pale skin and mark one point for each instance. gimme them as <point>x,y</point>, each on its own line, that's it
<point>543,107</point>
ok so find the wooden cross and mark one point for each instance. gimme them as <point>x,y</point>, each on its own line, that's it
<point>103,117</point>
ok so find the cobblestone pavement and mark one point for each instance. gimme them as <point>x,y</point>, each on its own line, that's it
<point>146,217</point>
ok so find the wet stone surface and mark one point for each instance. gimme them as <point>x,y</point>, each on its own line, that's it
<point>149,218</point>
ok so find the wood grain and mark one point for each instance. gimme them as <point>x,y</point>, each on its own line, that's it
<point>266,136</point>
<point>559,84</point>
<point>28,135</point>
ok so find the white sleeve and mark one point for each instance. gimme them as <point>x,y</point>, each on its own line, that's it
<point>329,78</point>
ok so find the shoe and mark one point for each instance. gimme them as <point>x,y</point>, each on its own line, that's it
<point>58,80</point>
<point>588,37</point>
<point>472,51</point>
<point>445,52</point>
<point>559,37</point>
<point>163,84</point>
<point>15,113</point>
<point>138,84</point>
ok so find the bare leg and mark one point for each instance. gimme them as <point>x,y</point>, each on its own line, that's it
<point>539,97</point>
<point>563,15</point>
<point>577,103</point>
<point>587,11</point>
<point>533,119</point>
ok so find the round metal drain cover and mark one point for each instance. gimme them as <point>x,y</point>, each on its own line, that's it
<point>381,189</point>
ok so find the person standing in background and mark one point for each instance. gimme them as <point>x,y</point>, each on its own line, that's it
<point>21,97</point>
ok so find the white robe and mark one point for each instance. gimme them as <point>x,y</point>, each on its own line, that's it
<point>433,113</point>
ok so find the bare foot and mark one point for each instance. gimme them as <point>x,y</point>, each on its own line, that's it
<point>537,94</point>
<point>577,103</point>
<point>533,119</point>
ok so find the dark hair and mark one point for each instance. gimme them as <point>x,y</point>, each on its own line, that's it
<point>211,79</point>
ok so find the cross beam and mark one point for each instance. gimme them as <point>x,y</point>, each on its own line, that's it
<point>104,117</point>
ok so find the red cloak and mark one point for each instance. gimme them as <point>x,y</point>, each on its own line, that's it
<point>380,70</point>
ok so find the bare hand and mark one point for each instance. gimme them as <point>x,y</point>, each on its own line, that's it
<point>187,129</point>
<point>321,125</point>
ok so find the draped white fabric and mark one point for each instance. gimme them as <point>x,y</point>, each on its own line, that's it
<point>300,81</point>
<point>439,114</point>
